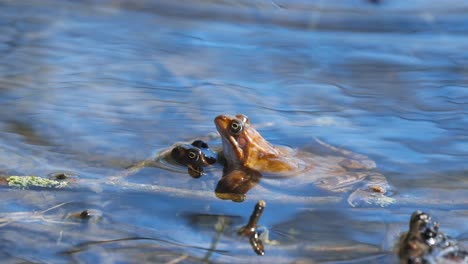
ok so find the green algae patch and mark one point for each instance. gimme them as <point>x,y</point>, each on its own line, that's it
<point>24,182</point>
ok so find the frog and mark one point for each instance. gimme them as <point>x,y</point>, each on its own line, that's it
<point>195,156</point>
<point>250,158</point>
<point>424,243</point>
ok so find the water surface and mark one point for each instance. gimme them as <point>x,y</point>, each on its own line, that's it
<point>92,87</point>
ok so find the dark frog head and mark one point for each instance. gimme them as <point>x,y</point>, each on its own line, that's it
<point>422,225</point>
<point>195,156</point>
<point>424,243</point>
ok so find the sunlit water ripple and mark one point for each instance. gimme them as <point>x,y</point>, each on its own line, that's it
<point>92,87</point>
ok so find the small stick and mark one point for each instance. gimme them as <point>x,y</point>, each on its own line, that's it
<point>250,229</point>
<point>251,226</point>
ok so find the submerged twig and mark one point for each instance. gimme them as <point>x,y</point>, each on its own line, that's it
<point>219,227</point>
<point>30,217</point>
<point>250,230</point>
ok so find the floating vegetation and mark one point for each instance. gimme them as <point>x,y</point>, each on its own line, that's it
<point>24,182</point>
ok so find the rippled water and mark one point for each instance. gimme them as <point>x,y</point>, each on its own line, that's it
<point>92,87</point>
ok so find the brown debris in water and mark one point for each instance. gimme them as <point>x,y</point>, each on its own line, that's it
<point>250,230</point>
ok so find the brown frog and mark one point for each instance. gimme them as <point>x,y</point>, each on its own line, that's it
<point>195,156</point>
<point>249,157</point>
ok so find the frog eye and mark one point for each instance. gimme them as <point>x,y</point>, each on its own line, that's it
<point>236,127</point>
<point>193,155</point>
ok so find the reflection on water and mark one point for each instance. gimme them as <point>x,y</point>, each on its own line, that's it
<point>92,87</point>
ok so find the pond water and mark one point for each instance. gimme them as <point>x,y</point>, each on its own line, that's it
<point>92,87</point>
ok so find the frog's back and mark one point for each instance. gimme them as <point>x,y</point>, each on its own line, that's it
<point>337,170</point>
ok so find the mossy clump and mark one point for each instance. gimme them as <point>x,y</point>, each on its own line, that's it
<point>24,182</point>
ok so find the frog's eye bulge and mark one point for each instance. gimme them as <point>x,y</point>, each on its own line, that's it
<point>236,127</point>
<point>243,118</point>
<point>199,144</point>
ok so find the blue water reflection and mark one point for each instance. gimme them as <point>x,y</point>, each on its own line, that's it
<point>92,87</point>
